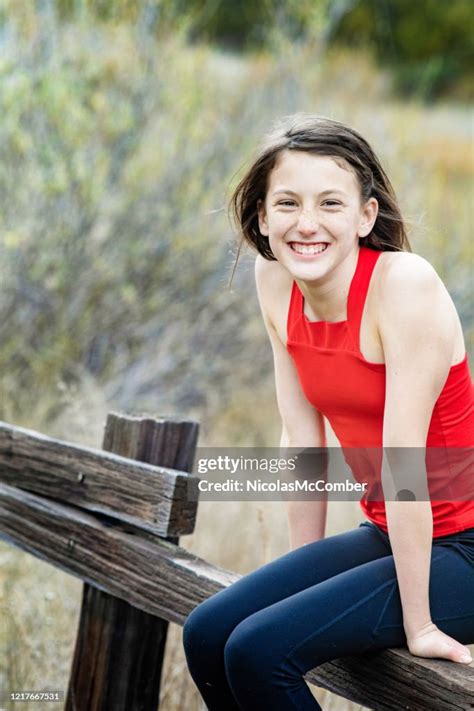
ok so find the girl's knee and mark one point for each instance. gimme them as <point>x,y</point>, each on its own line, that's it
<point>239,656</point>
<point>247,651</point>
<point>196,626</point>
<point>203,632</point>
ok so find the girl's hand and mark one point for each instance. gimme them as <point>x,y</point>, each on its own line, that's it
<point>429,641</point>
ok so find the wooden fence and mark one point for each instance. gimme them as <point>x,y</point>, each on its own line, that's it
<point>113,518</point>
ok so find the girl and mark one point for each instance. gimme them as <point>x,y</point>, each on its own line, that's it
<point>364,333</point>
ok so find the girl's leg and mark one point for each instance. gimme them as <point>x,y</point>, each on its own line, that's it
<point>209,625</point>
<point>358,610</point>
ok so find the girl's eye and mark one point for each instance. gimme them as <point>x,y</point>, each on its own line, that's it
<point>286,203</point>
<point>292,203</point>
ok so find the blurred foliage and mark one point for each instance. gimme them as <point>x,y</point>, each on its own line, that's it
<point>117,145</point>
<point>107,173</point>
<point>428,44</point>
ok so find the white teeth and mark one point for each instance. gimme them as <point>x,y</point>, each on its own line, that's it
<point>308,248</point>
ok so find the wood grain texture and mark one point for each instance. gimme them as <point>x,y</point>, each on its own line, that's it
<point>120,649</point>
<point>149,573</point>
<point>152,497</point>
<point>393,679</point>
<point>118,656</point>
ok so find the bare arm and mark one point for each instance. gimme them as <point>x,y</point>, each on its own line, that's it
<point>417,333</point>
<point>302,424</point>
<point>306,519</point>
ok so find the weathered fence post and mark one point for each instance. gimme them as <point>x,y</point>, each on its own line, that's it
<point>119,649</point>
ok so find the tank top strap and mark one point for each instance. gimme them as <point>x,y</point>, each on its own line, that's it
<point>295,309</point>
<point>358,290</point>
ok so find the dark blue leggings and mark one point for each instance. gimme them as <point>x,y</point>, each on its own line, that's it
<point>249,645</point>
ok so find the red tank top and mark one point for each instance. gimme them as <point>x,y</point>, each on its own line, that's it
<point>350,392</point>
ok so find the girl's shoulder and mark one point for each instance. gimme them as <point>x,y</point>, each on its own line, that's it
<point>404,271</point>
<point>408,262</point>
<point>408,285</point>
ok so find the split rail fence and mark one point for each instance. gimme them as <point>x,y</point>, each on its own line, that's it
<point>113,518</point>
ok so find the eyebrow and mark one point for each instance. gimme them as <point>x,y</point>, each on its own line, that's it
<point>325,192</point>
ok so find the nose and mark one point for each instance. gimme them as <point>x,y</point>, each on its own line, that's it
<point>307,223</point>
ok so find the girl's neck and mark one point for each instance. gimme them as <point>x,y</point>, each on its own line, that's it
<point>326,298</point>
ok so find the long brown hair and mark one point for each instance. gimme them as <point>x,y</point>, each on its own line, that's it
<point>326,137</point>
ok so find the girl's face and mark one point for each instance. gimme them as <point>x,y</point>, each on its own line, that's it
<point>312,213</point>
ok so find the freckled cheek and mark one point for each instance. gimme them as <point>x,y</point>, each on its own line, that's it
<point>338,224</point>
<point>337,219</point>
<point>279,226</point>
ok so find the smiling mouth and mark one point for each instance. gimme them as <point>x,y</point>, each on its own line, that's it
<point>308,249</point>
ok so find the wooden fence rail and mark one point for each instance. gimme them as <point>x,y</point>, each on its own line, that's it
<point>111,517</point>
